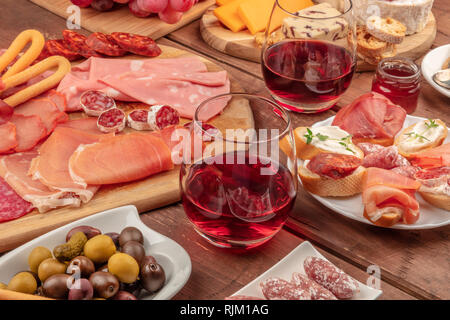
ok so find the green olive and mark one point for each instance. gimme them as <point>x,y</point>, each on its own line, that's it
<point>23,282</point>
<point>124,267</point>
<point>37,255</point>
<point>50,267</point>
<point>99,248</point>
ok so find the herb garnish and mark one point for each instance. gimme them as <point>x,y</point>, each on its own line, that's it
<point>343,141</point>
<point>416,136</point>
<point>432,124</point>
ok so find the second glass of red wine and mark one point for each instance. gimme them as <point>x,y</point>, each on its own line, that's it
<point>309,55</point>
<point>239,187</point>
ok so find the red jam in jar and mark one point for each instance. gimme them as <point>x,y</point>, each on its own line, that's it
<point>399,80</point>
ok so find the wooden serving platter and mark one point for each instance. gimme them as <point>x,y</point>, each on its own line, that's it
<point>156,191</point>
<point>242,44</point>
<point>122,20</point>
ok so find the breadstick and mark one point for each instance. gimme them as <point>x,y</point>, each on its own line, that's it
<point>36,89</point>
<point>37,43</point>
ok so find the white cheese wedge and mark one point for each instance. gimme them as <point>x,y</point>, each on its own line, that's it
<point>333,139</point>
<point>311,23</point>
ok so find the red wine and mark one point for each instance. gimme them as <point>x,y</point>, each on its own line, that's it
<point>235,202</point>
<point>307,74</point>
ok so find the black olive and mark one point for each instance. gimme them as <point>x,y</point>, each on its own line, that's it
<point>134,249</point>
<point>129,234</point>
<point>105,284</point>
<point>81,266</point>
<point>153,276</point>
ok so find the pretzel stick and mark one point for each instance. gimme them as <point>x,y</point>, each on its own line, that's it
<point>36,89</point>
<point>37,43</point>
<point>12,295</point>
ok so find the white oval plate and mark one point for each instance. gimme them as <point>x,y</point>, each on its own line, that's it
<point>170,255</point>
<point>293,262</point>
<point>432,63</point>
<point>352,207</point>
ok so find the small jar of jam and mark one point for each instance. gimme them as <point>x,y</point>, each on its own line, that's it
<point>399,80</point>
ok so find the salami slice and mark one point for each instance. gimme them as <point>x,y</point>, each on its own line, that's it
<point>208,132</point>
<point>161,116</point>
<point>316,290</point>
<point>137,44</point>
<point>59,48</point>
<point>280,289</point>
<point>12,206</point>
<point>112,120</point>
<point>331,277</point>
<point>105,44</point>
<point>95,102</point>
<point>138,120</point>
<point>242,297</point>
<point>77,43</point>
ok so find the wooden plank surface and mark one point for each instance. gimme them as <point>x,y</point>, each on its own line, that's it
<point>122,20</point>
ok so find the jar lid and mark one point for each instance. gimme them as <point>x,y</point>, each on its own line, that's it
<point>399,63</point>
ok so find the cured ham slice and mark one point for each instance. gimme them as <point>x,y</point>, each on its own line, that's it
<point>51,167</point>
<point>371,118</point>
<point>389,198</point>
<point>118,159</point>
<point>57,98</point>
<point>6,111</point>
<point>29,131</point>
<point>433,158</point>
<point>14,170</point>
<point>12,206</point>
<point>45,109</point>
<point>8,139</point>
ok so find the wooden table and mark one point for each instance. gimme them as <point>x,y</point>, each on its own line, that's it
<point>414,264</point>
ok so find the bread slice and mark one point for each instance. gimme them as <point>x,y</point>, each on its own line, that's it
<point>401,141</point>
<point>386,29</point>
<point>438,200</point>
<point>368,45</point>
<point>327,187</point>
<point>388,219</point>
<point>385,142</point>
<point>307,151</point>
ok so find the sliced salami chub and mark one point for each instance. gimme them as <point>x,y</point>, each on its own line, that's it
<point>161,116</point>
<point>138,120</point>
<point>316,290</point>
<point>137,44</point>
<point>77,43</point>
<point>95,102</point>
<point>112,120</point>
<point>105,44</point>
<point>280,289</point>
<point>242,297</point>
<point>331,277</point>
<point>12,206</point>
<point>59,48</point>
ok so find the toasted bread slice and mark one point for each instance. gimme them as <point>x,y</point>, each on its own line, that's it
<point>438,200</point>
<point>307,151</point>
<point>385,142</point>
<point>388,219</point>
<point>368,45</point>
<point>386,29</point>
<point>420,136</point>
<point>327,187</point>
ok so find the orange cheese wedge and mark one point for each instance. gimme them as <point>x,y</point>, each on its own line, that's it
<point>228,15</point>
<point>256,13</point>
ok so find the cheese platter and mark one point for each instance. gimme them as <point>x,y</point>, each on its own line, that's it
<point>247,45</point>
<point>145,192</point>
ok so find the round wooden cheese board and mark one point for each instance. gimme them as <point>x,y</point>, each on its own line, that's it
<point>242,44</point>
<point>146,194</point>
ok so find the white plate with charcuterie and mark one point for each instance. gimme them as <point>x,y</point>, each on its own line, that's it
<point>305,274</point>
<point>429,215</point>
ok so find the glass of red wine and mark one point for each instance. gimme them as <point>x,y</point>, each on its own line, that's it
<point>309,55</point>
<point>239,184</point>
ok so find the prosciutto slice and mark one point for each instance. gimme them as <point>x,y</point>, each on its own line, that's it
<point>8,139</point>
<point>389,197</point>
<point>29,131</point>
<point>14,170</point>
<point>433,158</point>
<point>371,116</point>
<point>51,167</point>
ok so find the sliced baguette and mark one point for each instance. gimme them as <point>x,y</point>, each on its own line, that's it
<point>388,219</point>
<point>401,140</point>
<point>386,29</point>
<point>438,200</point>
<point>368,45</point>
<point>327,187</point>
<point>307,151</point>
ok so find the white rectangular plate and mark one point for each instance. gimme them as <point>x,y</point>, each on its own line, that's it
<point>170,255</point>
<point>293,262</point>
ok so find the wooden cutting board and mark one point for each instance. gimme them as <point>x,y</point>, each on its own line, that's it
<point>122,20</point>
<point>242,44</point>
<point>157,191</point>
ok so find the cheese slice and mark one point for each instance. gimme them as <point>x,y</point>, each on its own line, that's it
<point>228,15</point>
<point>222,2</point>
<point>256,13</point>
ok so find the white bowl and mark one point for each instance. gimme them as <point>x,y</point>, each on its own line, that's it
<point>170,255</point>
<point>432,63</point>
